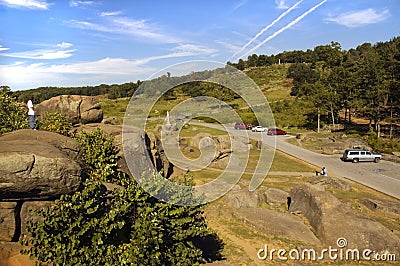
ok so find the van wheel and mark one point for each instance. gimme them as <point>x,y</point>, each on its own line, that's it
<point>376,160</point>
<point>355,160</point>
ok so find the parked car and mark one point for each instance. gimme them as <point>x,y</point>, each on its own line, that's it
<point>276,131</point>
<point>360,155</point>
<point>259,129</point>
<point>242,126</point>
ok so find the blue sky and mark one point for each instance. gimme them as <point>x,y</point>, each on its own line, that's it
<point>79,43</point>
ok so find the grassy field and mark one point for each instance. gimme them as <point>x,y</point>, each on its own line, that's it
<point>271,80</point>
<point>114,108</point>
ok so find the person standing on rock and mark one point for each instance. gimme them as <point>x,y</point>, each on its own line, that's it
<point>31,113</point>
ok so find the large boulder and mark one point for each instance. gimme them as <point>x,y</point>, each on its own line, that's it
<point>275,196</point>
<point>77,108</point>
<point>276,223</point>
<point>37,165</point>
<point>330,182</point>
<point>202,140</point>
<point>137,153</point>
<point>242,197</point>
<point>382,205</point>
<point>332,220</point>
<point>158,156</point>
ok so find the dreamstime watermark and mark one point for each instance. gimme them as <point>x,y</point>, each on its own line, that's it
<point>338,253</point>
<point>143,103</point>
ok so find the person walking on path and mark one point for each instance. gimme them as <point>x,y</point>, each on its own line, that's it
<point>31,113</point>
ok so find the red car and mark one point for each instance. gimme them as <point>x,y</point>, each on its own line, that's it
<point>242,126</point>
<point>276,131</point>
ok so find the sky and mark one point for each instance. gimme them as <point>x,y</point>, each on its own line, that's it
<point>84,43</point>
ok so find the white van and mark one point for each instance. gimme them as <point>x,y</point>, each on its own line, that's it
<point>361,156</point>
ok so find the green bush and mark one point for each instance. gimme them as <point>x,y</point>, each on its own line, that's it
<point>125,226</point>
<point>99,153</point>
<point>55,122</point>
<point>13,115</point>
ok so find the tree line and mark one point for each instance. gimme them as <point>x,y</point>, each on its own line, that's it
<point>363,81</point>
<point>113,91</point>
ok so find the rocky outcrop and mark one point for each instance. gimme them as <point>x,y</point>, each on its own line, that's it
<point>382,205</point>
<point>36,165</point>
<point>137,154</point>
<point>276,223</point>
<point>275,196</point>
<point>332,220</point>
<point>7,220</point>
<point>78,109</point>
<point>331,182</point>
<point>140,141</point>
<point>242,197</point>
<point>158,156</point>
<point>202,140</point>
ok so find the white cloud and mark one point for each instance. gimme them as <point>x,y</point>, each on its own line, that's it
<point>76,3</point>
<point>30,4</point>
<point>125,26</point>
<point>111,13</point>
<point>106,70</point>
<point>41,54</point>
<point>117,66</point>
<point>23,75</point>
<point>281,4</point>
<point>64,45</point>
<point>182,50</point>
<point>359,18</point>
<point>193,49</point>
<point>3,48</point>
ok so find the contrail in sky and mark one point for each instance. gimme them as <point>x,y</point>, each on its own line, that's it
<point>266,28</point>
<point>284,28</point>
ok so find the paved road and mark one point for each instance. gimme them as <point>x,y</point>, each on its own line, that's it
<point>383,176</point>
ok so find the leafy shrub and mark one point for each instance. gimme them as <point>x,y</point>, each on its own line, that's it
<point>125,226</point>
<point>99,153</point>
<point>13,115</point>
<point>55,122</point>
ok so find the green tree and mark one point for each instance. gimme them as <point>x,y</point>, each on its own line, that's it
<point>13,115</point>
<point>301,74</point>
<point>371,83</point>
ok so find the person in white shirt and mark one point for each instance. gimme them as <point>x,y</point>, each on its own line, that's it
<point>31,113</point>
<point>323,172</point>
